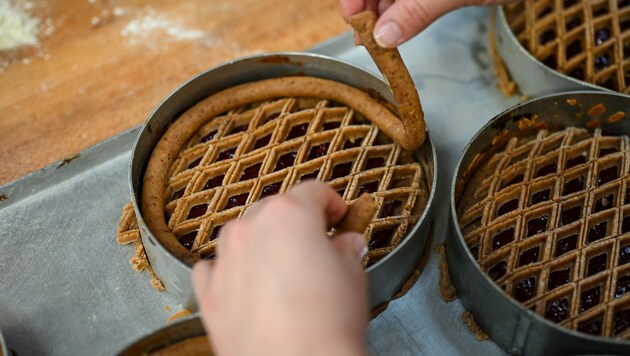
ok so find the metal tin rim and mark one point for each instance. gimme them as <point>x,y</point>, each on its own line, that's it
<point>166,336</point>
<point>413,230</point>
<point>4,349</point>
<point>524,52</point>
<point>469,256</point>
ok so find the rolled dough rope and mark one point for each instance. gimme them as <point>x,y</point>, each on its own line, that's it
<point>359,215</point>
<point>412,133</point>
<point>182,129</point>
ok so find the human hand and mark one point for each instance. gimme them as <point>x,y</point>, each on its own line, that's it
<point>280,286</point>
<point>402,19</point>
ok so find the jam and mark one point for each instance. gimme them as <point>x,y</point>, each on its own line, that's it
<point>536,226</point>
<point>195,163</point>
<point>558,310</point>
<point>596,264</point>
<point>312,175</point>
<point>566,245</point>
<point>540,197</point>
<point>569,3</point>
<point>604,203</point>
<point>573,49</point>
<point>602,35</point>
<point>197,211</point>
<point>607,151</point>
<point>297,131</point>
<point>375,162</point>
<point>341,170</point>
<point>208,137</point>
<point>525,289</point>
<point>528,257</point>
<point>178,194</point>
<point>331,125</point>
<point>622,321</point>
<point>352,143</point>
<point>236,200</point>
<point>625,226</point>
<point>602,62</point>
<point>573,186</point>
<point>188,239</point>
<point>341,191</point>
<point>226,154</point>
<point>575,161</point>
<point>547,36</point>
<point>391,208</point>
<point>507,207</point>
<point>262,142</point>
<point>627,199</point>
<point>475,251</point>
<point>623,286</point>
<point>318,151</point>
<point>573,23</point>
<point>215,232</point>
<point>551,61</point>
<point>593,327</point>
<point>517,179</point>
<point>214,182</point>
<point>597,232</point>
<point>498,271</point>
<point>571,215</point>
<point>589,298</point>
<point>370,187</point>
<point>577,73</point>
<point>271,189</point>
<point>251,172</point>
<point>238,129</point>
<point>624,255</point>
<point>270,117</point>
<point>547,170</point>
<point>286,160</point>
<point>607,175</point>
<point>380,239</point>
<point>503,238</point>
<point>558,278</point>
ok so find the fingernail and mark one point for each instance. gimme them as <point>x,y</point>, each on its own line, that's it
<point>388,35</point>
<point>359,245</point>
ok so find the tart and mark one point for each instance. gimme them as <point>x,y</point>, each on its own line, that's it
<point>261,149</point>
<point>584,39</point>
<point>548,220</point>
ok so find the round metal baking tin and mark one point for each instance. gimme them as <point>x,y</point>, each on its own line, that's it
<point>513,327</point>
<point>533,77</point>
<point>387,275</point>
<point>4,349</point>
<point>173,333</point>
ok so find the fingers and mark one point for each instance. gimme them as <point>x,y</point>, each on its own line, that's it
<point>320,198</point>
<point>406,18</point>
<point>351,7</point>
<point>351,244</point>
<point>201,277</point>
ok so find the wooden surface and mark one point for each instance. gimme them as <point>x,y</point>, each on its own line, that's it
<point>102,66</point>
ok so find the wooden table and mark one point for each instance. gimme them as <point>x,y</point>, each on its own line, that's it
<point>103,65</point>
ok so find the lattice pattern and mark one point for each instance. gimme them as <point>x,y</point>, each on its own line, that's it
<point>548,219</point>
<point>265,148</point>
<point>585,39</point>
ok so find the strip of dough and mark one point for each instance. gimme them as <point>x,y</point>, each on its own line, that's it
<point>411,133</point>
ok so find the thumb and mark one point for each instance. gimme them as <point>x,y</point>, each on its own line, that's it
<point>406,18</point>
<point>351,244</point>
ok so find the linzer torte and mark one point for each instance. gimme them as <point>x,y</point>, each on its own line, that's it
<point>261,149</point>
<point>548,219</point>
<point>585,39</point>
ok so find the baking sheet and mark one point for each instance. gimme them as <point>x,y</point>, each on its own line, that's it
<point>67,288</point>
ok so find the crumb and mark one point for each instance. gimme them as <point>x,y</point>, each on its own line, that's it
<point>128,233</point>
<point>447,290</point>
<point>178,315</point>
<point>469,320</point>
<point>167,308</point>
<point>593,124</point>
<point>596,110</point>
<point>615,117</point>
<point>3,197</point>
<point>505,83</point>
<point>571,102</point>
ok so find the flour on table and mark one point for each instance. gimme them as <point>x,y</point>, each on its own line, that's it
<point>17,28</point>
<point>153,29</point>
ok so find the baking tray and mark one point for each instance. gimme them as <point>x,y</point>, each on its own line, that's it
<point>66,287</point>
